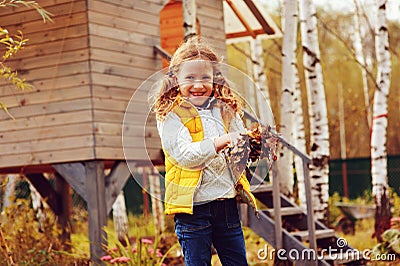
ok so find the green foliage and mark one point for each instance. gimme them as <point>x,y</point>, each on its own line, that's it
<point>29,4</point>
<point>29,243</point>
<point>145,250</point>
<point>389,245</point>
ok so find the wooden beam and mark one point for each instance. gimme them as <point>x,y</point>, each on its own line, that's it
<point>164,54</point>
<point>74,174</point>
<point>97,211</point>
<point>115,181</point>
<point>47,192</point>
<point>243,34</point>
<point>259,17</point>
<point>64,191</point>
<point>41,168</point>
<point>242,19</point>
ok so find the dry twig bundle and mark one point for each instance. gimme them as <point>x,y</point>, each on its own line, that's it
<point>256,143</point>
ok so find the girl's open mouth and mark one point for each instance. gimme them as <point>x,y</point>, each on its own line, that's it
<point>197,94</point>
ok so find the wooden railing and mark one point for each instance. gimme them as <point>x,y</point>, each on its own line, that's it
<point>160,51</point>
<point>276,191</point>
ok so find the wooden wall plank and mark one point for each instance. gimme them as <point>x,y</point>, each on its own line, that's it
<point>149,39</point>
<point>78,17</point>
<point>54,47</point>
<point>130,142</point>
<point>124,47</point>
<point>57,156</point>
<point>47,109</point>
<point>40,133</point>
<point>41,145</point>
<point>53,120</point>
<point>151,16</point>
<point>117,69</point>
<point>23,15</point>
<point>147,62</point>
<point>123,23</point>
<point>60,70</point>
<point>112,80</point>
<point>136,154</point>
<point>50,59</point>
<point>130,154</point>
<point>43,3</point>
<point>117,105</point>
<point>118,117</point>
<point>131,130</point>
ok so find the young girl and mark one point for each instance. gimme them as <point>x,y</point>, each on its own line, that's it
<point>197,118</point>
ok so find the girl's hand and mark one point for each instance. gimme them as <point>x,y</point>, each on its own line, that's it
<point>225,140</point>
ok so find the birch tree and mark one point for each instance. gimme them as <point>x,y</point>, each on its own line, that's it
<point>298,129</point>
<point>37,205</point>
<point>319,140</point>
<point>285,162</point>
<point>379,123</point>
<point>9,191</point>
<point>120,217</point>
<point>260,80</point>
<point>358,47</point>
<point>189,18</point>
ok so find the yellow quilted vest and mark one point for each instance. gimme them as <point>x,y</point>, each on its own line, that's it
<point>180,183</point>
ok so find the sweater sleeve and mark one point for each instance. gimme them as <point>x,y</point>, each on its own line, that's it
<point>237,124</point>
<point>177,142</point>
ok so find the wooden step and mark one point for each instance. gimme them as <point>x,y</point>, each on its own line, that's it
<point>320,233</point>
<point>261,188</point>
<point>285,211</point>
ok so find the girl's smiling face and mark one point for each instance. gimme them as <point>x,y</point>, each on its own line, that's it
<point>195,79</point>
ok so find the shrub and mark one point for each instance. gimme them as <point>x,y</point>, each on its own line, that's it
<point>25,241</point>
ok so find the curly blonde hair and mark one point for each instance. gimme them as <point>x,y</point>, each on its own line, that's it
<point>167,91</point>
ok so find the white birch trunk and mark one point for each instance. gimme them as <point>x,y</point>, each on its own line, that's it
<point>156,203</point>
<point>319,132</point>
<point>285,162</point>
<point>260,81</point>
<point>379,123</point>
<point>37,205</point>
<point>358,47</point>
<point>9,191</point>
<point>120,217</point>
<point>249,92</point>
<point>189,18</point>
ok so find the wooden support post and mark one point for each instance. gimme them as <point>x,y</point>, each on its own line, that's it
<point>64,191</point>
<point>145,190</point>
<point>310,210</point>
<point>74,174</point>
<point>276,195</point>
<point>97,210</point>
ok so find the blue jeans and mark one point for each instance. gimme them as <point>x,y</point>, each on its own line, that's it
<point>216,223</point>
